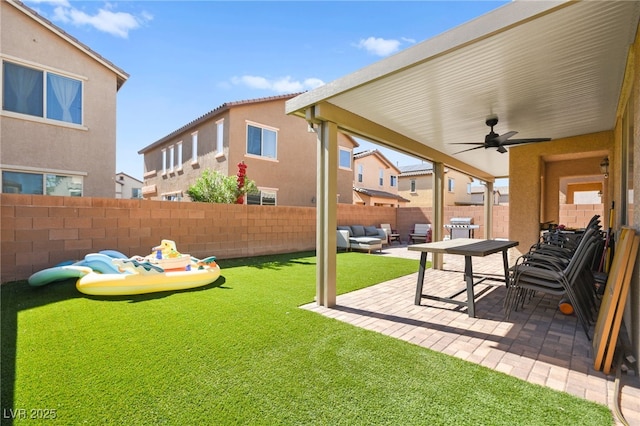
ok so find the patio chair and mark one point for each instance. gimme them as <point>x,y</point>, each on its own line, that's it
<point>392,234</point>
<point>545,274</point>
<point>421,233</point>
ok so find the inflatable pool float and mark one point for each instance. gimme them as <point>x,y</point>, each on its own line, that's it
<point>110,273</point>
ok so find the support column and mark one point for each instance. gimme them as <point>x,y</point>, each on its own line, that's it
<point>488,211</point>
<point>437,224</point>
<point>326,213</point>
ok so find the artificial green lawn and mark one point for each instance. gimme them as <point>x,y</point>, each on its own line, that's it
<point>241,352</point>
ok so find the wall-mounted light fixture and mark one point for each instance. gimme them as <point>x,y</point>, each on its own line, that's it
<point>604,167</point>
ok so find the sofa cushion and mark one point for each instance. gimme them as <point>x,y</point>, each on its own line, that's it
<point>344,228</point>
<point>357,231</point>
<point>370,231</point>
<point>365,241</point>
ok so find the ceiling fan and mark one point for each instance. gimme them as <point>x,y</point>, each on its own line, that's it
<point>494,140</point>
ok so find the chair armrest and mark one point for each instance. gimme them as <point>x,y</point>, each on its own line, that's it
<point>342,239</point>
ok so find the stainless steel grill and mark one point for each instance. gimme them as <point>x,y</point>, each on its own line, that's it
<point>461,227</point>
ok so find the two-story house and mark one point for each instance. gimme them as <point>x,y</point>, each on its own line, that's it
<point>279,150</point>
<point>128,186</point>
<point>58,117</point>
<point>415,183</point>
<point>375,180</point>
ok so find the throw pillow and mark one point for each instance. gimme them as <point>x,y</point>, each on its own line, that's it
<point>370,231</point>
<point>357,230</point>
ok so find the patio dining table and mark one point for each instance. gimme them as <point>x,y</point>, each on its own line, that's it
<point>469,248</point>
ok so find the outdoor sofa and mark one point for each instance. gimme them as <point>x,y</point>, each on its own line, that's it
<point>358,237</point>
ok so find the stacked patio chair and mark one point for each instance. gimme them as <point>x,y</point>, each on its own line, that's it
<point>558,271</point>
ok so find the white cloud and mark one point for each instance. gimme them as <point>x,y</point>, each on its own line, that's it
<point>380,46</point>
<point>281,85</point>
<point>115,23</point>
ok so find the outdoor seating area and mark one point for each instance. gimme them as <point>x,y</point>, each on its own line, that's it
<point>358,237</point>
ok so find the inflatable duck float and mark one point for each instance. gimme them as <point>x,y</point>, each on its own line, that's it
<point>110,273</point>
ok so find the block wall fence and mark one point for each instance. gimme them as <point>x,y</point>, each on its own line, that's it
<point>40,231</point>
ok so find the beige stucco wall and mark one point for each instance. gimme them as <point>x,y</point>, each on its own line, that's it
<point>534,172</point>
<point>50,145</point>
<point>423,196</point>
<point>292,175</point>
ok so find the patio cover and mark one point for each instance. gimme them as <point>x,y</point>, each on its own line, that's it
<point>546,69</point>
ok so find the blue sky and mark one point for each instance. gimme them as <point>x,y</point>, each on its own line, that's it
<point>186,58</point>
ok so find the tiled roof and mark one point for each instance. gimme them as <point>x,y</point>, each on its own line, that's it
<point>416,169</point>
<point>214,112</point>
<point>379,194</point>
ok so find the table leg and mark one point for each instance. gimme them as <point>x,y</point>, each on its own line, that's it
<point>505,262</point>
<point>468,277</point>
<point>421,269</point>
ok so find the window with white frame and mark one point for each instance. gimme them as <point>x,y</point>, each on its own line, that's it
<point>171,158</point>
<point>360,172</point>
<point>41,93</point>
<point>194,148</point>
<point>164,161</point>
<point>261,141</point>
<point>345,158</point>
<point>179,155</point>
<point>15,182</point>
<point>393,181</point>
<point>450,184</point>
<point>220,137</point>
<point>412,184</point>
<point>262,197</point>
<point>381,177</point>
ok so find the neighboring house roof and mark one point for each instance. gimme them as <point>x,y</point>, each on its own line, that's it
<point>416,170</point>
<point>213,113</point>
<point>129,176</point>
<point>121,75</point>
<point>379,194</point>
<point>379,155</point>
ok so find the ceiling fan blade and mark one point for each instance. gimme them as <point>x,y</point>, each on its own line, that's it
<point>522,141</point>
<point>503,137</point>
<point>467,143</point>
<point>470,149</point>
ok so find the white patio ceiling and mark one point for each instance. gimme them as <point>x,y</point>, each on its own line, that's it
<point>546,69</point>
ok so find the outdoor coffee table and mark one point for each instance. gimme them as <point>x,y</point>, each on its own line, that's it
<point>467,247</point>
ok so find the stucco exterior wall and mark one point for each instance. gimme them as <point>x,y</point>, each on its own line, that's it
<point>292,175</point>
<point>48,145</point>
<point>423,196</point>
<point>534,172</point>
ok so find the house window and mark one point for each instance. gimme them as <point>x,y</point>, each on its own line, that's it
<point>171,154</point>
<point>412,184</point>
<point>41,94</point>
<point>263,198</point>
<point>220,136</point>
<point>393,181</point>
<point>194,148</point>
<point>345,158</point>
<point>381,178</point>
<point>261,142</point>
<point>360,172</point>
<point>179,152</point>
<point>41,183</point>
<point>136,192</point>
<point>164,161</point>
<point>450,184</point>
